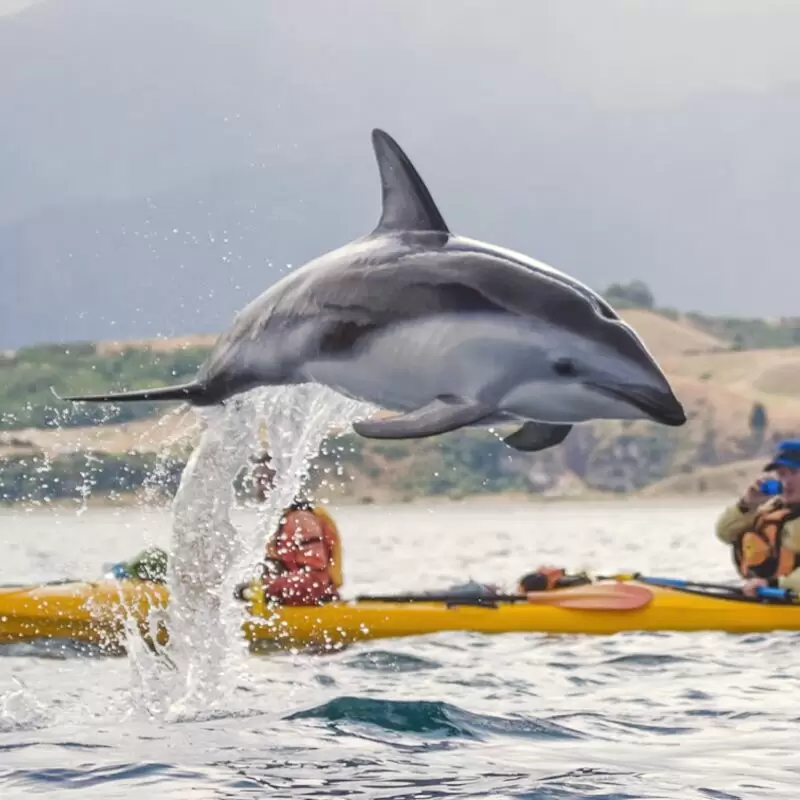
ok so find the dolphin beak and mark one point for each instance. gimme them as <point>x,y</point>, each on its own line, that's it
<point>659,404</point>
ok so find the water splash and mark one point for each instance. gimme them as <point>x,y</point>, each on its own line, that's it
<point>153,487</point>
<point>20,710</point>
<point>204,662</point>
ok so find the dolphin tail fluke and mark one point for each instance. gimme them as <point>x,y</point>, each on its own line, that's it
<point>189,392</point>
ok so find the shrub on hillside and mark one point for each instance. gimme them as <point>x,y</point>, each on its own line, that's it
<point>31,379</point>
<point>37,478</point>
<point>750,334</point>
<point>635,294</point>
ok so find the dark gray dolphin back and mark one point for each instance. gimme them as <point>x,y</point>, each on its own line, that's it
<point>407,203</point>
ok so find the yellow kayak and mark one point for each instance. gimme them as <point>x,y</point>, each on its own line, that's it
<point>99,612</point>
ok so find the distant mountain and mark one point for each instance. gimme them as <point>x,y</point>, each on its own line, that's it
<point>137,137</point>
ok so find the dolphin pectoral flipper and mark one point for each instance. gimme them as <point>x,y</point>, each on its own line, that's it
<point>440,416</point>
<point>533,436</point>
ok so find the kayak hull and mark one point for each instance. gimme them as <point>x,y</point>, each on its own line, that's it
<point>104,613</point>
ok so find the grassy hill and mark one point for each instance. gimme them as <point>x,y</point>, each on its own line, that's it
<point>718,382</point>
<point>666,336</point>
<point>32,379</point>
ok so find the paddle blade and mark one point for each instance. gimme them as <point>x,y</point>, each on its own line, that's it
<point>598,597</point>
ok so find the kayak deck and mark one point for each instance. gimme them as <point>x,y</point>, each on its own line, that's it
<point>669,610</point>
<point>101,612</point>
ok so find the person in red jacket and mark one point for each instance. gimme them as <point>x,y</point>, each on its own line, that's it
<point>303,564</point>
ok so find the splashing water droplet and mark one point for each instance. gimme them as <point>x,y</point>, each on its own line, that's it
<point>204,660</point>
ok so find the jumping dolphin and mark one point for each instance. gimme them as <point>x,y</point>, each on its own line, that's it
<point>449,331</point>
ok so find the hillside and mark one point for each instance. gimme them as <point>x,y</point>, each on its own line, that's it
<point>667,337</point>
<point>726,480</point>
<point>715,451</point>
<point>32,380</point>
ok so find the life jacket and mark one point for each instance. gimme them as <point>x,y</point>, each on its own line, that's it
<point>333,542</point>
<point>308,539</point>
<point>760,552</point>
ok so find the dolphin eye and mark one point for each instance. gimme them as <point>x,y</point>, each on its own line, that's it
<point>565,367</point>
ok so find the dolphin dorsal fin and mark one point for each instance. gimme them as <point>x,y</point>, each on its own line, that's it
<point>407,203</point>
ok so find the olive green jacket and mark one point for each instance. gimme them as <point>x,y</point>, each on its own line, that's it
<point>732,523</point>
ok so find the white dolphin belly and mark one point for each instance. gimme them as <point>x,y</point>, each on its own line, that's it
<point>409,365</point>
<point>563,403</point>
<point>499,361</point>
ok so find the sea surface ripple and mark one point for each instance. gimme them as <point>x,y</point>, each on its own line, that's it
<point>453,715</point>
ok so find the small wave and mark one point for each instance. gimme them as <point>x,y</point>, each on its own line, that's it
<point>601,725</point>
<point>583,782</point>
<point>387,661</point>
<point>58,650</point>
<point>5,748</point>
<point>716,795</point>
<point>20,710</point>
<point>129,773</point>
<point>431,717</point>
<point>185,717</point>
<point>647,660</point>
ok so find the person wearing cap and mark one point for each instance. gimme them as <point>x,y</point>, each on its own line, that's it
<point>303,559</point>
<point>763,528</point>
<point>262,475</point>
<point>149,565</point>
<point>546,578</point>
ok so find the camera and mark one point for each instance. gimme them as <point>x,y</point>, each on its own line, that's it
<point>771,486</point>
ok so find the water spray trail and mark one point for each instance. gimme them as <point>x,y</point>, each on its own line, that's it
<point>204,550</point>
<point>297,421</point>
<point>204,661</point>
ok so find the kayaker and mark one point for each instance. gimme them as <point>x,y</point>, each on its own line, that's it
<point>763,527</point>
<point>546,578</point>
<point>149,565</point>
<point>303,559</point>
<point>262,475</point>
<point>541,580</point>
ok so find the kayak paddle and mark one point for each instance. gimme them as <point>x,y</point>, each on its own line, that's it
<point>617,597</point>
<point>762,592</point>
<point>613,597</point>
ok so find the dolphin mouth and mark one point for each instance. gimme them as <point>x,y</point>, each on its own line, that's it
<point>661,406</point>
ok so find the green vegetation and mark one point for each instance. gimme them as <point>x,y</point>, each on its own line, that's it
<point>36,478</point>
<point>759,421</point>
<point>456,465</point>
<point>460,465</point>
<point>615,458</point>
<point>635,294</point>
<point>750,334</point>
<point>474,463</point>
<point>628,461</point>
<point>741,333</point>
<point>31,379</point>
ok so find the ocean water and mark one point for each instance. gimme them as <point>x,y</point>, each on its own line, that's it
<point>453,715</point>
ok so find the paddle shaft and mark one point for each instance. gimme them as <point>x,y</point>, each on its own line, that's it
<point>594,597</point>
<point>765,592</point>
<point>441,598</point>
<point>446,597</point>
<point>557,597</point>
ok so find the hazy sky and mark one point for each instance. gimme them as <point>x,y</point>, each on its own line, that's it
<point>162,160</point>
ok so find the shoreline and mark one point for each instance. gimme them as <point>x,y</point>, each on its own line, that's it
<point>136,502</point>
